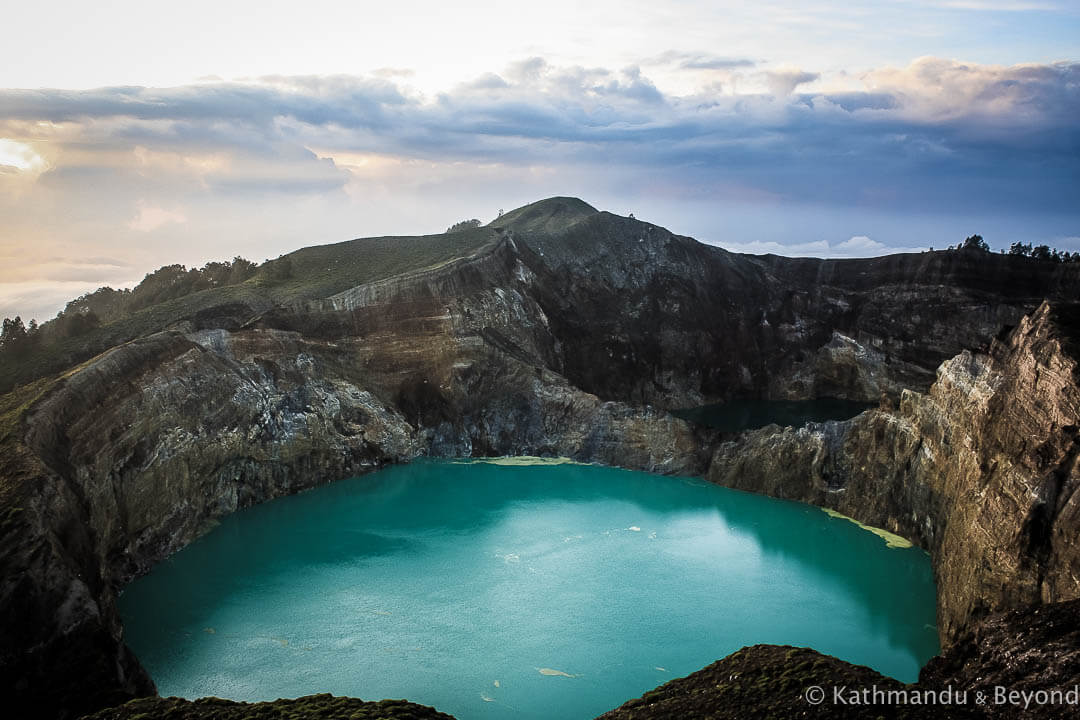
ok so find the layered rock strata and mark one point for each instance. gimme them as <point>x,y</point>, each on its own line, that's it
<point>981,471</point>
<point>564,332</point>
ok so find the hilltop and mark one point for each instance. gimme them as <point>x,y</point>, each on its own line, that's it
<point>557,330</point>
<point>915,309</point>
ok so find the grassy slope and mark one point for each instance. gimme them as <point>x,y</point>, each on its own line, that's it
<point>324,270</point>
<point>316,272</point>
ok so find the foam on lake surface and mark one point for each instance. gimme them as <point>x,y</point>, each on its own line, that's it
<point>494,590</point>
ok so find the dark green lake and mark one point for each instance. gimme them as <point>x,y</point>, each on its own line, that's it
<point>493,591</point>
<point>739,415</point>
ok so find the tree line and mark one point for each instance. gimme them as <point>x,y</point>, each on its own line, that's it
<point>1039,252</point>
<point>105,304</point>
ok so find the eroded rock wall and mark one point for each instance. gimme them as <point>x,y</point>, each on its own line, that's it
<point>132,455</point>
<point>553,339</point>
<point>981,471</point>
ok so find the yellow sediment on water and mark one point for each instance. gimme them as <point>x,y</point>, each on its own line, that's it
<point>209,631</point>
<point>891,539</point>
<point>555,673</point>
<point>522,460</point>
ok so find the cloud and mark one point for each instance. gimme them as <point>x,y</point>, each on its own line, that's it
<point>19,157</point>
<point>998,5</point>
<point>857,246</point>
<point>528,70</point>
<point>782,83</point>
<point>700,61</point>
<point>24,267</point>
<point>150,218</point>
<point>159,175</point>
<point>935,90</point>
<point>925,132</point>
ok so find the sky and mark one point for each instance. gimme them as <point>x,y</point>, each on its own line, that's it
<point>139,134</point>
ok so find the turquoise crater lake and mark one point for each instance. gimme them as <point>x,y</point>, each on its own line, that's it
<point>517,591</point>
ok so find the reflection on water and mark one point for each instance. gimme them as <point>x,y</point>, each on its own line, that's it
<point>506,591</point>
<point>739,415</point>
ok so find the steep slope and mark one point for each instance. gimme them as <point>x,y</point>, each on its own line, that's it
<point>130,456</point>
<point>310,273</point>
<point>982,470</point>
<point>558,330</point>
<point>673,322</point>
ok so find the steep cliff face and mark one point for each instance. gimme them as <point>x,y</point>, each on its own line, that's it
<point>635,313</point>
<point>559,330</point>
<point>981,471</point>
<point>672,322</point>
<point>130,456</point>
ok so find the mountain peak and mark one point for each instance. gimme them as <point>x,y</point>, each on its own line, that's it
<point>552,214</point>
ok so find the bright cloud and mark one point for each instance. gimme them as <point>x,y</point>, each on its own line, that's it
<point>17,156</point>
<point>858,246</point>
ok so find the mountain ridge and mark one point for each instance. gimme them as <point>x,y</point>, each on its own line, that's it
<point>571,334</point>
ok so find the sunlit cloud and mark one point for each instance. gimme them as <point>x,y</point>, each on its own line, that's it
<point>19,157</point>
<point>940,90</point>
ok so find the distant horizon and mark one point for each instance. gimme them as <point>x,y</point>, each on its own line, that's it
<point>168,135</point>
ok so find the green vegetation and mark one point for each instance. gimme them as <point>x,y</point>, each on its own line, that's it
<point>95,322</point>
<point>1043,252</point>
<point>551,215</point>
<point>14,404</point>
<point>975,242</point>
<point>89,312</point>
<point>325,270</point>
<point>463,225</point>
<point>1039,252</point>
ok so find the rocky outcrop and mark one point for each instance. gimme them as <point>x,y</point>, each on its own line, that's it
<point>132,455</point>
<point>311,707</point>
<point>981,471</point>
<point>560,331</point>
<point>1023,663</point>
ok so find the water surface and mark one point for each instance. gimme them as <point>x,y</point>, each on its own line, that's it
<point>493,591</point>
